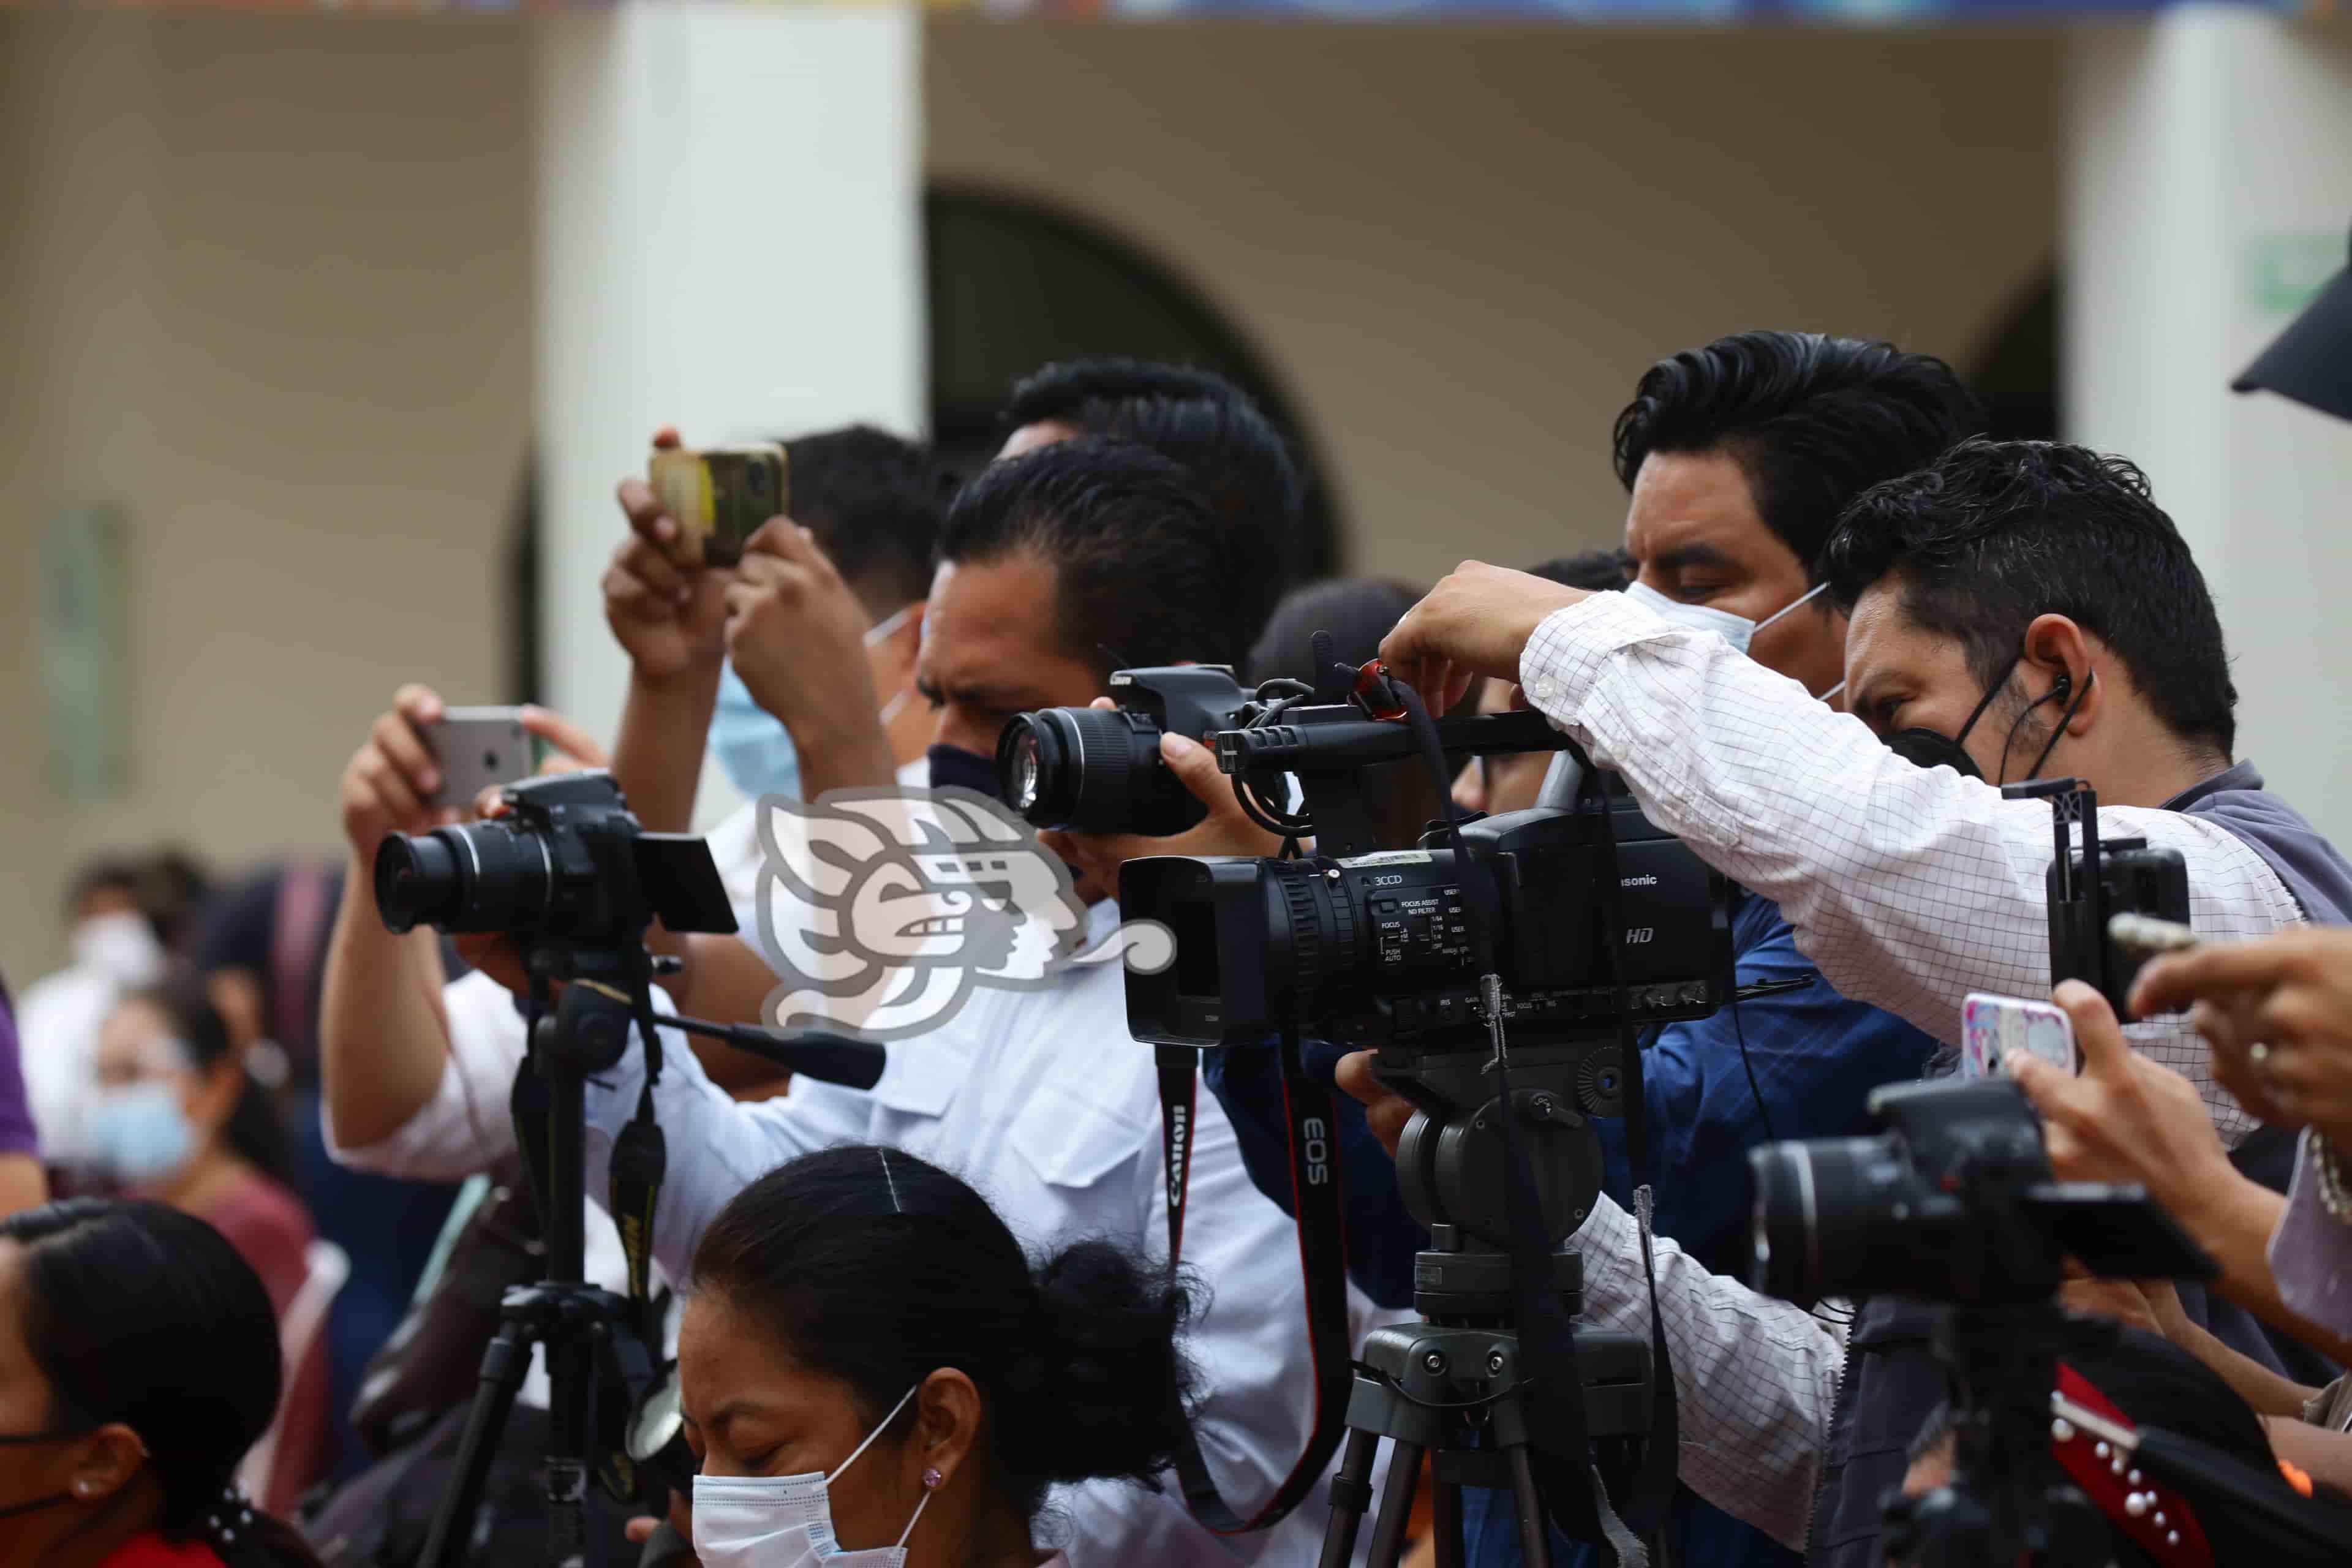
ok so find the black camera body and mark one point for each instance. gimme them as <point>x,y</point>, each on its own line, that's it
<point>1955,1202</point>
<point>1374,948</point>
<point>568,866</point>
<point>1092,769</point>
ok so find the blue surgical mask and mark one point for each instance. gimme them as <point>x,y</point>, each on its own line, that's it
<point>140,1133</point>
<point>753,748</point>
<point>752,744</point>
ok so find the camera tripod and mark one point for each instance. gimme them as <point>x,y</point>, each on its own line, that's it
<point>1454,1387</point>
<point>2008,1502</point>
<point>590,1335</point>
<point>595,1339</point>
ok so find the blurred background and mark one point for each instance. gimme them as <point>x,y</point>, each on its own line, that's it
<point>328,335</point>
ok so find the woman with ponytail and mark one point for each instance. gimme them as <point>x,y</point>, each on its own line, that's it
<point>139,1361</point>
<point>869,1365</point>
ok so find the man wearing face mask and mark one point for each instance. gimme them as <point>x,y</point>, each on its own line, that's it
<point>1739,457</point>
<point>2042,575</point>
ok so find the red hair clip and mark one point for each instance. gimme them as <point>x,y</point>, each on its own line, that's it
<point>2156,1518</point>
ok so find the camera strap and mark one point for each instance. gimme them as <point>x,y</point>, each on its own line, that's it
<point>1323,1265</point>
<point>640,1159</point>
<point>1653,1489</point>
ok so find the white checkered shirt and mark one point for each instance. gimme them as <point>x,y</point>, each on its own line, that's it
<point>1909,886</point>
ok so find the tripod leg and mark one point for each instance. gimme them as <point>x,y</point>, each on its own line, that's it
<point>1534,1545</point>
<point>504,1362</point>
<point>1351,1493</point>
<point>1396,1505</point>
<point>1445,1522</point>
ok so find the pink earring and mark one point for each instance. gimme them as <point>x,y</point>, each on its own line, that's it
<point>932,1479</point>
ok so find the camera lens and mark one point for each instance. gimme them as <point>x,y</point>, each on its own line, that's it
<point>1090,770</point>
<point>415,879</point>
<point>481,877</point>
<point>1839,1217</point>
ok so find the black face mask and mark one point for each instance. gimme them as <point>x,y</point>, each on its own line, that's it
<point>953,767</point>
<point>1931,749</point>
<point>34,1505</point>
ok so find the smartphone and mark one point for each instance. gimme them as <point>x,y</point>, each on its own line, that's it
<point>2145,936</point>
<point>718,497</point>
<point>478,747</point>
<point>1992,1027</point>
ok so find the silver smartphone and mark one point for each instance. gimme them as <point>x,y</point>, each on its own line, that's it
<point>477,748</point>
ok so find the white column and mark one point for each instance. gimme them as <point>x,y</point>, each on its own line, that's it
<point>729,240</point>
<point>2207,185</point>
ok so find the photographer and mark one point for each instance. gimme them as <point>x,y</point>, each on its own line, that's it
<point>1040,1094</point>
<point>1737,457</point>
<point>2005,580</point>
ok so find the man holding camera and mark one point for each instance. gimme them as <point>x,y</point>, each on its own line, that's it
<point>1042,1092</point>
<point>2017,610</point>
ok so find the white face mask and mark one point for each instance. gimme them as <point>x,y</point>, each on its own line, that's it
<point>785,1522</point>
<point>1736,630</point>
<point>120,946</point>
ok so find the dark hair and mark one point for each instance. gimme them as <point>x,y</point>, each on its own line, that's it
<point>99,872</point>
<point>115,1294</point>
<point>1240,461</point>
<point>1996,532</point>
<point>1143,571</point>
<point>253,1129</point>
<point>1401,796</point>
<point>874,501</point>
<point>872,1267</point>
<point>171,889</point>
<point>1599,570</point>
<point>1812,420</point>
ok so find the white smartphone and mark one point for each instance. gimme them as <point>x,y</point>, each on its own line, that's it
<point>1994,1026</point>
<point>478,747</point>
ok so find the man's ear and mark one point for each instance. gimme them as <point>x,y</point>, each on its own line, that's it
<point>2060,655</point>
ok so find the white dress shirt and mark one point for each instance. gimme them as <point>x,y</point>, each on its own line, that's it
<point>1043,1102</point>
<point>1909,886</point>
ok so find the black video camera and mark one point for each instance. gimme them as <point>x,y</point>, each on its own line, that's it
<point>568,866</point>
<point>1369,946</point>
<point>1095,770</point>
<point>1955,1202</point>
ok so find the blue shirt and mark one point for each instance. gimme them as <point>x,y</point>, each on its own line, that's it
<point>1815,1055</point>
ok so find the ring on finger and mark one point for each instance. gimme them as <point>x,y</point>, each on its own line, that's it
<point>2258,1057</point>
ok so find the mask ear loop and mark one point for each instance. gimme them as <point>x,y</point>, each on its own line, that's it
<point>882,1427</point>
<point>1806,597</point>
<point>2064,718</point>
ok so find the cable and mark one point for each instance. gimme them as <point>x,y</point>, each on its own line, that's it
<point>1754,1088</point>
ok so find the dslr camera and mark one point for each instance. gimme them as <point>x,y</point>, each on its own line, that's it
<point>568,866</point>
<point>1093,770</point>
<point>1954,1201</point>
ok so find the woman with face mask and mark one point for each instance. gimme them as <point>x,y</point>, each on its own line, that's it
<point>177,1120</point>
<point>139,1361</point>
<point>875,1376</point>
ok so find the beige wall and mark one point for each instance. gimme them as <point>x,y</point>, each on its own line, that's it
<point>1462,244</point>
<point>265,281</point>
